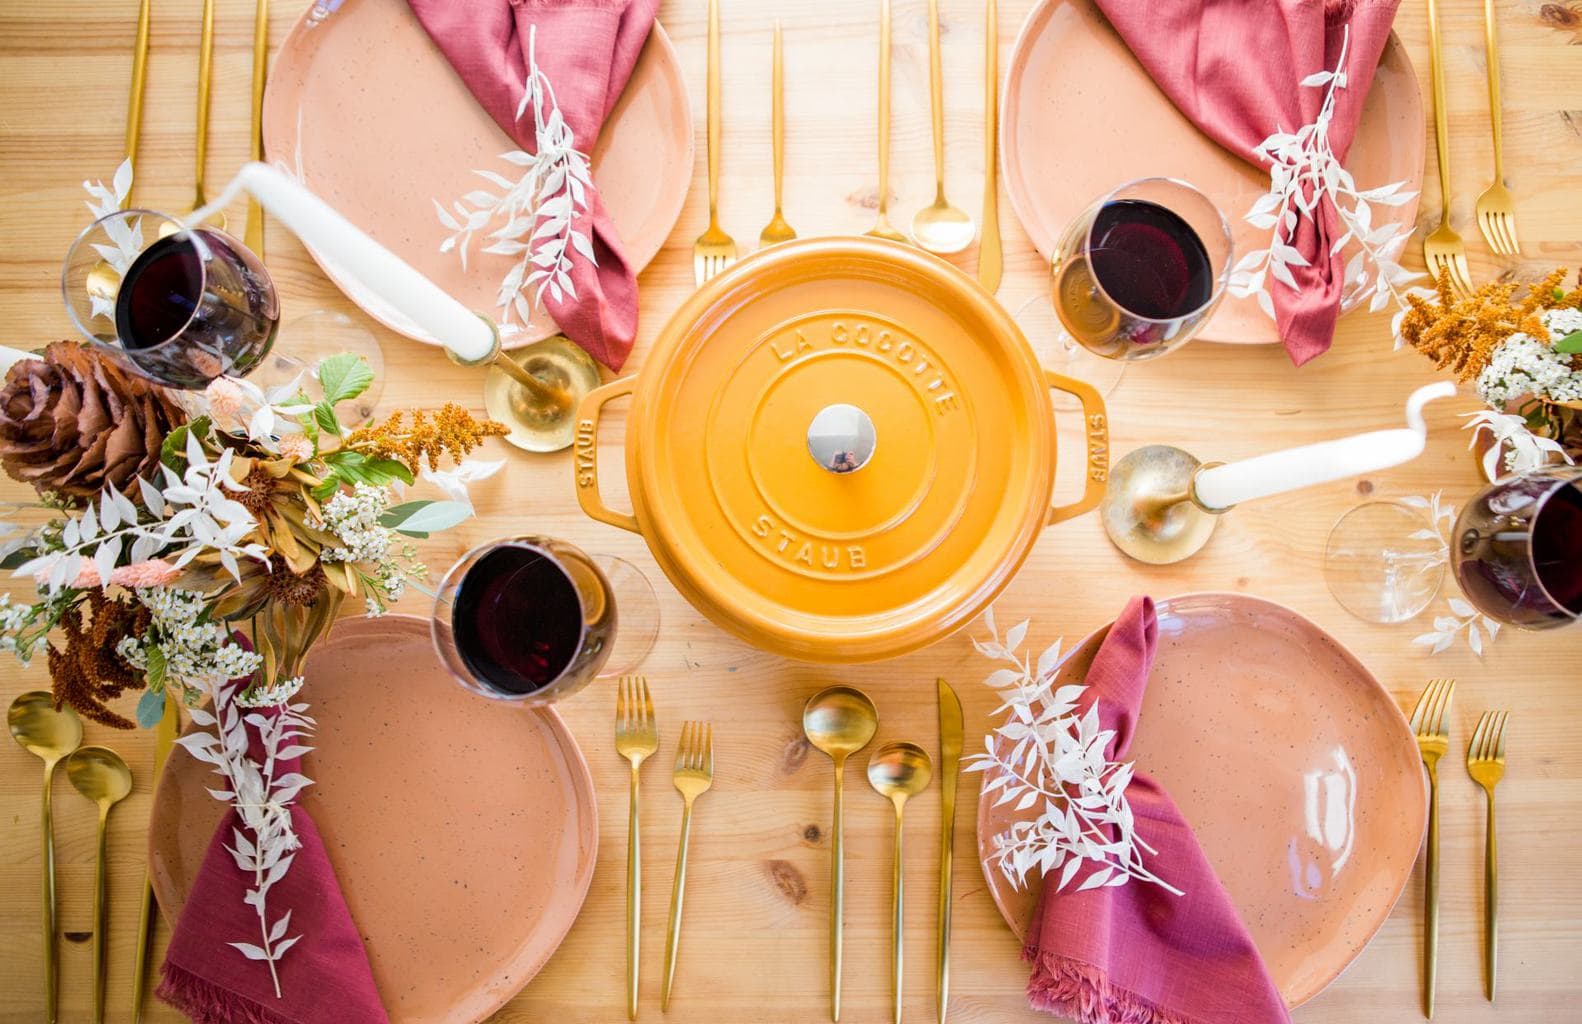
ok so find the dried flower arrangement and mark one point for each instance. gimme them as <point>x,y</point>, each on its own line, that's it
<point>1524,356</point>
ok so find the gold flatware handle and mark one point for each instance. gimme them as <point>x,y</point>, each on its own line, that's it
<point>1492,49</point>
<point>134,102</point>
<point>942,962</point>
<point>837,898</point>
<point>677,894</point>
<point>714,110</point>
<point>936,99</point>
<point>51,963</point>
<point>991,261</point>
<point>253,235</point>
<point>897,918</point>
<point>1431,896</point>
<point>145,929</point>
<point>205,84</point>
<point>100,917</point>
<point>779,117</point>
<point>1441,117</point>
<point>884,109</point>
<point>634,897</point>
<point>1491,901</point>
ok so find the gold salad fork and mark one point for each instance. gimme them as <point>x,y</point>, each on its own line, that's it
<point>693,777</point>
<point>1443,250</point>
<point>636,737</point>
<point>714,250</point>
<point>1496,208</point>
<point>1486,765</point>
<point>1431,724</point>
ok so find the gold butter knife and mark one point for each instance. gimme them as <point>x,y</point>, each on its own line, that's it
<point>164,738</point>
<point>991,262</point>
<point>253,235</point>
<point>134,103</point>
<point>949,765</point>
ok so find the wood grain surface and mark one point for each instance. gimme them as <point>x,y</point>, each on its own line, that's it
<point>754,945</point>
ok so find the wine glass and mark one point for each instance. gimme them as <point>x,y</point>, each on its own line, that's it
<point>1384,561</point>
<point>1516,549</point>
<point>181,306</point>
<point>1137,275</point>
<point>534,619</point>
<point>308,340</point>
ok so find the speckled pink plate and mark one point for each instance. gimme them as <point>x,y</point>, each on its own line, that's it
<point>463,833</point>
<point>366,110</point>
<point>1294,766</point>
<point>1080,116</point>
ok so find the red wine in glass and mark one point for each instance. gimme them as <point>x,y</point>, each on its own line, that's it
<point>1148,260</point>
<point>1518,549</point>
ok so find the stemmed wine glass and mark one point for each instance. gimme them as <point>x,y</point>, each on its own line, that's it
<point>534,619</point>
<point>1516,549</point>
<point>1384,561</point>
<point>1135,275</point>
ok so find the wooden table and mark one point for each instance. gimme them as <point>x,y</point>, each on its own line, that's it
<point>755,939</point>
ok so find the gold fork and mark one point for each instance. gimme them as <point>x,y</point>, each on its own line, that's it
<point>636,737</point>
<point>1431,724</point>
<point>1486,765</point>
<point>714,250</point>
<point>1443,250</point>
<point>694,775</point>
<point>1496,208</point>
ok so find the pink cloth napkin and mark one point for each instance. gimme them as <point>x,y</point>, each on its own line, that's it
<point>1137,954</point>
<point>587,49</point>
<point>1234,67</point>
<point>324,979</point>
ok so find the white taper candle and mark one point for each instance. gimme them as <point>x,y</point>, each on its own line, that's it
<point>1221,487</point>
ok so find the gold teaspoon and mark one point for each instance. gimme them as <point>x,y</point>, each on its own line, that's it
<point>100,775</point>
<point>898,772</point>
<point>778,229</point>
<point>940,228</point>
<point>881,227</point>
<point>838,721</point>
<point>50,735</point>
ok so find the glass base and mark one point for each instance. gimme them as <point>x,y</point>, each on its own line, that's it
<point>636,615</point>
<point>309,340</point>
<point>1384,561</point>
<point>1058,351</point>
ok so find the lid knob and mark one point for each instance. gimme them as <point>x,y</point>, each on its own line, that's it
<point>841,438</point>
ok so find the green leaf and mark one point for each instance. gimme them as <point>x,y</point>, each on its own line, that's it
<point>1571,344</point>
<point>355,467</point>
<point>344,376</point>
<point>155,673</point>
<point>173,452</point>
<point>431,518</point>
<point>326,490</point>
<point>324,416</point>
<point>396,513</point>
<point>150,708</point>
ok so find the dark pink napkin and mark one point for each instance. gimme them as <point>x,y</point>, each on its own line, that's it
<point>324,979</point>
<point>587,49</point>
<point>1234,68</point>
<point>1137,954</point>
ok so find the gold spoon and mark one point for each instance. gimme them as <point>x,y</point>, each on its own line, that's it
<point>940,228</point>
<point>838,721</point>
<point>103,280</point>
<point>48,734</point>
<point>777,229</point>
<point>881,227</point>
<point>100,775</point>
<point>898,772</point>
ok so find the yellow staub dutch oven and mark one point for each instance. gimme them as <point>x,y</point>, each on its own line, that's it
<point>840,449</point>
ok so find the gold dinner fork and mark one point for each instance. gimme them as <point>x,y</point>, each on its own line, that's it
<point>1443,250</point>
<point>636,737</point>
<point>714,250</point>
<point>1496,208</point>
<point>694,775</point>
<point>1486,765</point>
<point>1431,724</point>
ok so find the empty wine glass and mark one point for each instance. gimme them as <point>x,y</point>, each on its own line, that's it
<point>308,340</point>
<point>1384,561</point>
<point>533,619</point>
<point>1516,549</point>
<point>1137,275</point>
<point>182,306</point>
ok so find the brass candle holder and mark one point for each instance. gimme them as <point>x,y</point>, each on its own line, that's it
<point>535,390</point>
<point>1151,510</point>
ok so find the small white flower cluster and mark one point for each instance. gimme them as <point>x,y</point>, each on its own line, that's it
<point>271,696</point>
<point>195,653</point>
<point>14,618</point>
<point>354,518</point>
<point>1524,365</point>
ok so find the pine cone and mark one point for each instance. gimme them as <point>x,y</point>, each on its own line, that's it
<point>75,420</point>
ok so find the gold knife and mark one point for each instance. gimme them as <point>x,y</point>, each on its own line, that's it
<point>991,263</point>
<point>253,236</point>
<point>164,738</point>
<point>134,103</point>
<point>949,765</point>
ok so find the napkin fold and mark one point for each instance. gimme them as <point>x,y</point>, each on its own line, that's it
<point>324,979</point>
<point>1137,954</point>
<point>587,49</point>
<point>1234,67</point>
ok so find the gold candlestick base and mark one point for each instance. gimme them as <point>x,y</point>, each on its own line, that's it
<point>535,391</point>
<point>1150,512</point>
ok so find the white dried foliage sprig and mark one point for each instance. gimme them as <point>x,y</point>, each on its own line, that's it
<point>1524,451</point>
<point>1049,759</point>
<point>551,194</point>
<point>127,235</point>
<point>190,514</point>
<point>1463,618</point>
<point>1305,172</point>
<point>266,845</point>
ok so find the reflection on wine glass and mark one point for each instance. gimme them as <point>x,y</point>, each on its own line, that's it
<point>306,341</point>
<point>532,619</point>
<point>181,309</point>
<point>1384,561</point>
<point>1137,274</point>
<point>1517,549</point>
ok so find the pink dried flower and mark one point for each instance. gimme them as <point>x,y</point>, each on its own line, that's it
<point>296,447</point>
<point>156,572</point>
<point>87,576</point>
<point>225,400</point>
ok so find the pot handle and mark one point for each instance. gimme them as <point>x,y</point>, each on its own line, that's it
<point>1096,427</point>
<point>586,464</point>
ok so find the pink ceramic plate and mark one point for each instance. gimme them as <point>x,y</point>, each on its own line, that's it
<point>1081,116</point>
<point>1294,766</point>
<point>366,110</point>
<point>463,833</point>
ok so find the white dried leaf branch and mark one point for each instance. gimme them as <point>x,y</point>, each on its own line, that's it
<point>1524,451</point>
<point>1050,759</point>
<point>1305,172</point>
<point>551,193</point>
<point>126,235</point>
<point>1463,618</point>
